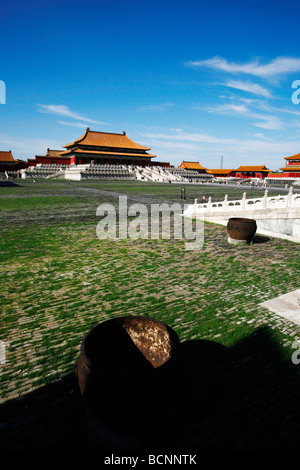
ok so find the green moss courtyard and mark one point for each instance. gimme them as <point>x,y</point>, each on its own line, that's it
<point>58,280</point>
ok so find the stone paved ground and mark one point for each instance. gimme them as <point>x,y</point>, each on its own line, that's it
<point>58,280</point>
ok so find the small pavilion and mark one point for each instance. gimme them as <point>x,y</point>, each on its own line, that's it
<point>292,167</point>
<point>258,171</point>
<point>193,166</point>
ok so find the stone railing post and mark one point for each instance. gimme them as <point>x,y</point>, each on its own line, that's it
<point>243,205</point>
<point>225,203</point>
<point>265,199</point>
<point>209,204</point>
<point>195,207</point>
<point>289,197</point>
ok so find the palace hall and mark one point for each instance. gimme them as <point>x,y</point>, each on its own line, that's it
<point>105,147</point>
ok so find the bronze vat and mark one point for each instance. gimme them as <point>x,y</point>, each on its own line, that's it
<point>126,372</point>
<point>241,230</point>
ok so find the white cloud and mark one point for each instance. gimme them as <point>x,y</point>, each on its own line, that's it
<point>157,107</point>
<point>229,107</point>
<point>265,121</point>
<point>249,87</point>
<point>189,137</point>
<point>24,148</point>
<point>62,110</point>
<point>261,136</point>
<point>170,145</point>
<point>278,66</point>
<point>74,124</point>
<point>274,109</point>
<point>207,149</point>
<point>269,122</point>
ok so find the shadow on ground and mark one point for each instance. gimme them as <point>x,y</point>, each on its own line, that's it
<point>7,183</point>
<point>246,397</point>
<point>260,239</point>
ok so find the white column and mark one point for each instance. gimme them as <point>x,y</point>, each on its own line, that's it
<point>243,205</point>
<point>209,204</point>
<point>289,197</point>
<point>195,207</point>
<point>265,199</point>
<point>225,203</point>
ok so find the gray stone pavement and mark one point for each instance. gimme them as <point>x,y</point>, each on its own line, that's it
<point>287,306</point>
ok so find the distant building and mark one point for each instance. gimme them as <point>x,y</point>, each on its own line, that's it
<point>241,172</point>
<point>222,173</point>
<point>259,171</point>
<point>193,166</point>
<point>292,168</point>
<point>7,162</point>
<point>51,157</point>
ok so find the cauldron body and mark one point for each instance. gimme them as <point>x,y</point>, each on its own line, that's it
<point>241,230</point>
<point>126,371</point>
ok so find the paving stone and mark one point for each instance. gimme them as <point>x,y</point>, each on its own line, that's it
<point>287,306</point>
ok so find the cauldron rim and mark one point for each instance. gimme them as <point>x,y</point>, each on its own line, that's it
<point>113,373</point>
<point>242,219</point>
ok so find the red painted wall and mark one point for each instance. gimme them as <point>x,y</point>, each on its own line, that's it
<point>58,161</point>
<point>252,174</point>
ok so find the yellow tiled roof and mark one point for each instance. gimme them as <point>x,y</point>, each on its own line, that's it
<point>220,171</point>
<point>192,166</point>
<point>291,168</point>
<point>103,152</point>
<point>294,157</point>
<point>6,156</point>
<point>106,139</point>
<point>252,168</point>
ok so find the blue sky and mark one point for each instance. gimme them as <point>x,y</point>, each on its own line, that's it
<point>193,80</point>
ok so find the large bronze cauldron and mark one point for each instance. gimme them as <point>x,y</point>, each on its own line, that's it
<point>126,373</point>
<point>241,230</point>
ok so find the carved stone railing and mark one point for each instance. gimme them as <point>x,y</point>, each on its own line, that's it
<point>264,203</point>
